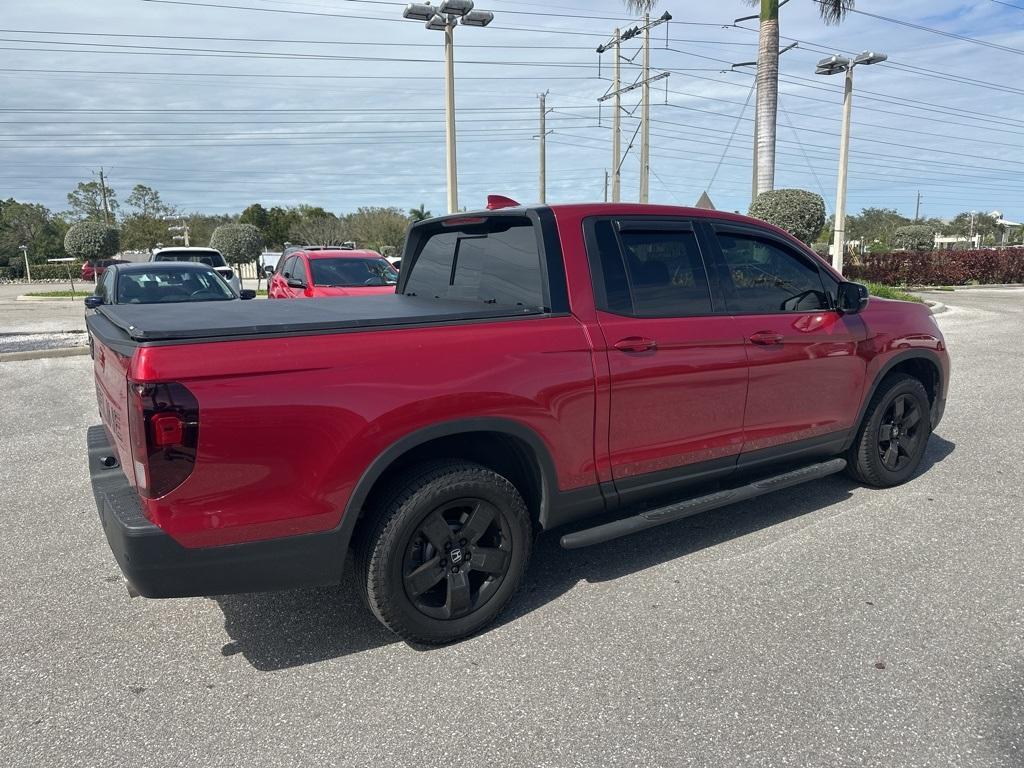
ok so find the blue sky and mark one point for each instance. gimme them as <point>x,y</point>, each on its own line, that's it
<point>339,103</point>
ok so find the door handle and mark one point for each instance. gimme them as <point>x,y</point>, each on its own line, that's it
<point>766,338</point>
<point>636,344</point>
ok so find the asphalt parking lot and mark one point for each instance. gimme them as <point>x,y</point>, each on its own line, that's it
<point>823,625</point>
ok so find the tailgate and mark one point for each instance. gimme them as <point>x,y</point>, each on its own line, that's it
<point>110,370</point>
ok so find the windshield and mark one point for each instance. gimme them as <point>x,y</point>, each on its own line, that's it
<point>167,286</point>
<point>209,258</point>
<point>348,272</point>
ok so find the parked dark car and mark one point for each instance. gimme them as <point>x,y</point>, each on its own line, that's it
<point>162,283</point>
<point>94,268</point>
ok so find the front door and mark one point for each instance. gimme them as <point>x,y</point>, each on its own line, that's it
<point>806,377</point>
<point>678,371</point>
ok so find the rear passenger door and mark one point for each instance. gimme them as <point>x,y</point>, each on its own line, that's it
<point>678,370</point>
<point>806,377</point>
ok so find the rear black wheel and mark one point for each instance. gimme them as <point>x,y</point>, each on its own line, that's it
<point>446,553</point>
<point>894,434</point>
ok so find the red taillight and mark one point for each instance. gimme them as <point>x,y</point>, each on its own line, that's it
<point>164,425</point>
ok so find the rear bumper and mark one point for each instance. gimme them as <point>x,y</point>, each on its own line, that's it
<point>157,566</point>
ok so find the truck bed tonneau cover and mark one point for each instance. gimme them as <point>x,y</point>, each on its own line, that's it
<point>228,319</point>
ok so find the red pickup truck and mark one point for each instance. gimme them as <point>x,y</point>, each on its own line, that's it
<point>606,368</point>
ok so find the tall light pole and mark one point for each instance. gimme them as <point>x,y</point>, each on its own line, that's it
<point>24,252</point>
<point>444,17</point>
<point>833,65</point>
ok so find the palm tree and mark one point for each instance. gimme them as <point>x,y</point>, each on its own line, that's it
<point>419,214</point>
<point>832,12</point>
<point>640,7</point>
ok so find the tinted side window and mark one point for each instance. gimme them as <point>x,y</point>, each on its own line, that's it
<point>652,272</point>
<point>105,287</point>
<point>768,278</point>
<point>288,270</point>
<point>497,262</point>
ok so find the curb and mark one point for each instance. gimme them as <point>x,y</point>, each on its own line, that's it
<point>38,354</point>
<point>945,288</point>
<point>29,297</point>
<point>936,307</point>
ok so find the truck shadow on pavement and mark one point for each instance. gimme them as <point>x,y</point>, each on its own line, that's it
<point>278,630</point>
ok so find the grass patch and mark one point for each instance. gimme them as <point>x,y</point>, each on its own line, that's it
<point>888,292</point>
<point>60,294</point>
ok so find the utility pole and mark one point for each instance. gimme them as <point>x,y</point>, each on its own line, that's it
<point>542,178</point>
<point>616,92</point>
<point>606,186</point>
<point>645,116</point>
<point>917,208</point>
<point>103,191</point>
<point>616,122</point>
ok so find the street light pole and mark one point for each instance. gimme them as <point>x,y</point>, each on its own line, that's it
<point>444,17</point>
<point>24,253</point>
<point>542,177</point>
<point>839,236</point>
<point>833,65</point>
<point>449,116</point>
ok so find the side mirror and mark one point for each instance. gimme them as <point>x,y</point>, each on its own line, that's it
<point>851,298</point>
<point>294,282</point>
<point>268,270</point>
<point>246,293</point>
<point>92,302</point>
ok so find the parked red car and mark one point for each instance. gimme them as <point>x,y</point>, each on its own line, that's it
<point>93,269</point>
<point>321,273</point>
<point>593,367</point>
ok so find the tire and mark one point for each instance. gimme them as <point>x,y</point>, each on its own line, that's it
<point>446,553</point>
<point>894,434</point>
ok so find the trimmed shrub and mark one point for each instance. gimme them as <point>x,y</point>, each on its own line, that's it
<point>821,249</point>
<point>941,267</point>
<point>239,243</point>
<point>799,212</point>
<point>91,240</point>
<point>914,237</point>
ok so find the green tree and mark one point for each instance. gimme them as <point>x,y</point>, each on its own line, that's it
<point>91,240</point>
<point>279,226</point>
<point>145,201</point>
<point>382,229</point>
<point>320,230</point>
<point>142,233</point>
<point>967,224</point>
<point>419,214</point>
<point>914,237</point>
<point>239,243</point>
<point>875,224</point>
<point>832,12</point>
<point>86,202</point>
<point>799,212</point>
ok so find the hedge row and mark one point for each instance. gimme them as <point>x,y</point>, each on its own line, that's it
<point>16,271</point>
<point>940,267</point>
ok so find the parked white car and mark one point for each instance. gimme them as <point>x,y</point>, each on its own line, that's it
<point>209,256</point>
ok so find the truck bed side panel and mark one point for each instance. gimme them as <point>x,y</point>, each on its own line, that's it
<point>289,424</point>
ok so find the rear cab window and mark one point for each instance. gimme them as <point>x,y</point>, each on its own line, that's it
<point>494,260</point>
<point>648,268</point>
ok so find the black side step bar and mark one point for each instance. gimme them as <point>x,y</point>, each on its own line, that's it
<point>655,517</point>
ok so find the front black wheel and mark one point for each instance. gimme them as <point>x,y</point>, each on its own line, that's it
<point>894,434</point>
<point>445,553</point>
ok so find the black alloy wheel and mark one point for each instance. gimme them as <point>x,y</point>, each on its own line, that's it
<point>457,558</point>
<point>899,433</point>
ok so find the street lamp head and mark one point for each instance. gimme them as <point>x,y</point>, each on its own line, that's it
<point>419,11</point>
<point>437,21</point>
<point>833,65</point>
<point>870,57</point>
<point>666,16</point>
<point>456,7</point>
<point>478,18</point>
